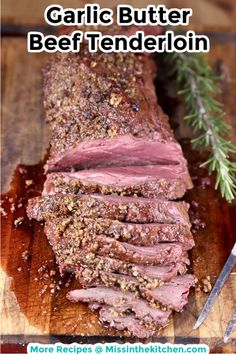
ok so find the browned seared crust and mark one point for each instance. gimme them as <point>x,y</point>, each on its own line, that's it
<point>136,234</point>
<point>139,210</point>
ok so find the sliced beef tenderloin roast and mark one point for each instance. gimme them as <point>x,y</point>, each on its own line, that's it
<point>114,175</point>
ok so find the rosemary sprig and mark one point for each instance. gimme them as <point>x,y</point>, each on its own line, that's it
<point>199,86</point>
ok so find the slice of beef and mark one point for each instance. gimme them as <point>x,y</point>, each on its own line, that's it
<point>122,302</point>
<point>155,291</point>
<point>136,234</point>
<point>162,253</point>
<point>71,242</point>
<point>173,294</point>
<point>166,181</point>
<point>148,323</point>
<point>129,276</point>
<point>123,151</point>
<point>159,254</point>
<point>90,266</point>
<point>72,257</point>
<point>162,272</point>
<point>87,279</point>
<point>125,322</point>
<point>127,209</point>
<point>120,151</point>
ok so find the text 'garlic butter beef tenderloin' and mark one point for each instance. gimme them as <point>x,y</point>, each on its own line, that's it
<point>113,175</point>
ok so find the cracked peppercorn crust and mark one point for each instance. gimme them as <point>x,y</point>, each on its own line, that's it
<point>162,253</point>
<point>72,258</point>
<point>136,234</point>
<point>107,94</point>
<point>86,257</point>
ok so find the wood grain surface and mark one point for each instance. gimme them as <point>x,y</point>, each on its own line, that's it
<point>28,313</point>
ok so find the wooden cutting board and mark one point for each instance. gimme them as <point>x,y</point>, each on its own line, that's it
<point>33,303</point>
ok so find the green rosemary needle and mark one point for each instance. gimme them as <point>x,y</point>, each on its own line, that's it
<point>198,86</point>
